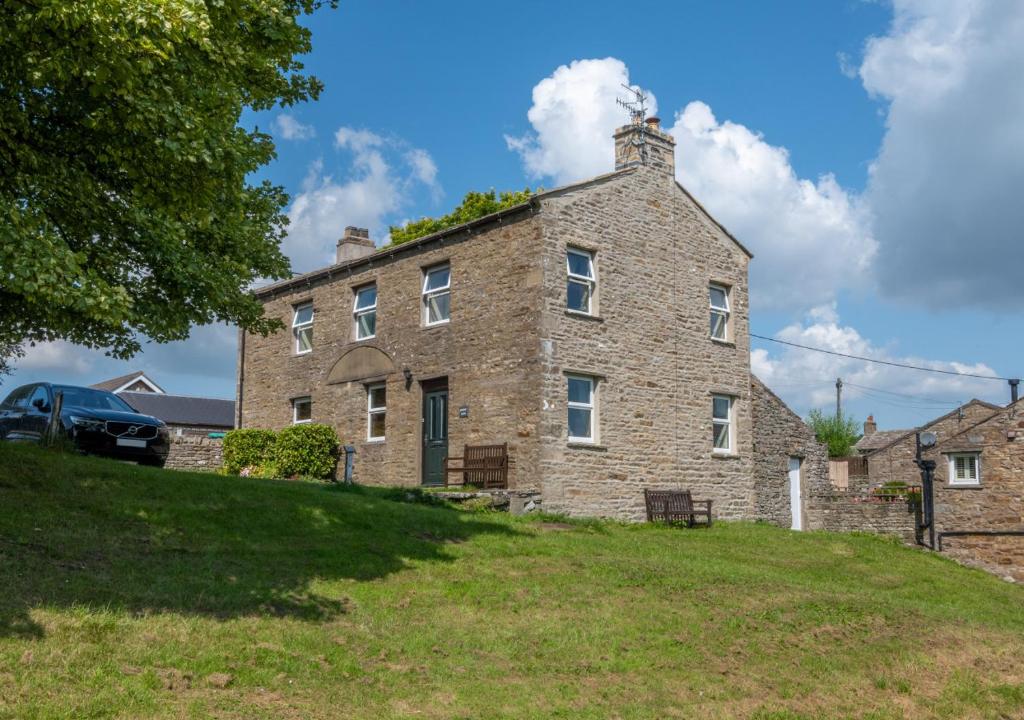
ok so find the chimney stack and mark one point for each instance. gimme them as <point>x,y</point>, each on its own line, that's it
<point>645,144</point>
<point>869,426</point>
<point>354,244</point>
<point>1013,390</point>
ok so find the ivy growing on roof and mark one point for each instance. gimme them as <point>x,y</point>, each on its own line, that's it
<point>474,205</point>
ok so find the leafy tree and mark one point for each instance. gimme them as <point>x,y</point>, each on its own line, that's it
<point>125,207</point>
<point>839,433</point>
<point>474,205</point>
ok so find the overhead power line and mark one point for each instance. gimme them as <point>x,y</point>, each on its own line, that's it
<point>919,398</point>
<point>881,362</point>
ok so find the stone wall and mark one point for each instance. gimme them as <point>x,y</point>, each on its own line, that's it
<point>996,504</point>
<point>488,352</point>
<point>780,434</point>
<point>856,510</point>
<point>648,346</point>
<point>192,452</point>
<point>896,462</point>
<point>1002,555</point>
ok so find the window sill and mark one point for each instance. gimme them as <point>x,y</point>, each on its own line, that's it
<point>726,343</point>
<point>583,316</point>
<point>376,441</point>
<point>725,456</point>
<point>956,486</point>
<point>431,326</point>
<point>578,445</point>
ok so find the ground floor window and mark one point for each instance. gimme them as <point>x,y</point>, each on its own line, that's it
<point>582,408</point>
<point>302,410</point>
<point>965,469</point>
<point>376,411</point>
<point>721,423</point>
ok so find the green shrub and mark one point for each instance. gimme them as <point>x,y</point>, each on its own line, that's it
<point>308,450</point>
<point>248,448</point>
<point>838,433</point>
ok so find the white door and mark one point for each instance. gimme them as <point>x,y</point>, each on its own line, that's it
<point>795,505</point>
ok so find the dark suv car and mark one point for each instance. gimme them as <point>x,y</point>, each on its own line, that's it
<point>96,421</point>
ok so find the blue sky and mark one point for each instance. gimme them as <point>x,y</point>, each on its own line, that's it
<point>865,151</point>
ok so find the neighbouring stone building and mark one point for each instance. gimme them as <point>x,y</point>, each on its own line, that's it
<point>574,327</point>
<point>978,487</point>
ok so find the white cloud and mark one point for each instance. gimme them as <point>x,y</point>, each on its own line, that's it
<point>385,174</point>
<point>573,115</point>
<point>58,355</point>
<point>810,238</point>
<point>805,379</point>
<point>292,129</point>
<point>944,188</point>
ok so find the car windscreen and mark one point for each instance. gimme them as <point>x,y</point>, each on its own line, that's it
<point>96,399</point>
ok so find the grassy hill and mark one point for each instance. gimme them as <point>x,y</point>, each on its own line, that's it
<point>132,592</point>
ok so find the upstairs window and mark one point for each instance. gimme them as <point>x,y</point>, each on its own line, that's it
<point>365,312</point>
<point>965,469</point>
<point>719,312</point>
<point>580,281</point>
<point>302,328</point>
<point>302,410</point>
<point>721,423</point>
<point>376,411</point>
<point>581,408</point>
<point>437,295</point>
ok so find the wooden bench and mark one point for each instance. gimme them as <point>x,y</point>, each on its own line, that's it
<point>485,466</point>
<point>676,506</point>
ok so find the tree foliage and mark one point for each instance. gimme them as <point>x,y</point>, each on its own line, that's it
<point>474,205</point>
<point>838,433</point>
<point>125,207</point>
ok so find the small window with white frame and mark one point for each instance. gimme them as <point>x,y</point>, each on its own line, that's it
<point>302,410</point>
<point>581,282</point>
<point>364,312</point>
<point>582,413</point>
<point>302,328</point>
<point>437,294</point>
<point>376,411</point>
<point>965,469</point>
<point>719,295</point>
<point>722,424</point>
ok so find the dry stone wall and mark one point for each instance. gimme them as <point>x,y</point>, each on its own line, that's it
<point>191,452</point>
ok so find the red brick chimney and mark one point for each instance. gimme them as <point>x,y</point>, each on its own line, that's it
<point>869,426</point>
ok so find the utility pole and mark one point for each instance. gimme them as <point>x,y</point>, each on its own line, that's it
<point>839,398</point>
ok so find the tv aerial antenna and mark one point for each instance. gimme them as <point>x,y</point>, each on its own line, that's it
<point>637,109</point>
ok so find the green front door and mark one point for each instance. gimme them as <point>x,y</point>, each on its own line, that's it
<point>435,435</point>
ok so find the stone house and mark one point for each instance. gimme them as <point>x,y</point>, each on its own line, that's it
<point>600,329</point>
<point>978,484</point>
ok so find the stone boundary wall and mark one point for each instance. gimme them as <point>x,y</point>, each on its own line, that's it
<point>855,509</point>
<point>190,452</point>
<point>1002,555</point>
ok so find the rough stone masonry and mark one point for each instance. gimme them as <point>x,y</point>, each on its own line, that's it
<point>646,367</point>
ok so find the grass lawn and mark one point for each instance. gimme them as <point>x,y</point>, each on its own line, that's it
<point>132,592</point>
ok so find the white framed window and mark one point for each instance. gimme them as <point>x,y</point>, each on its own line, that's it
<point>965,469</point>
<point>722,431</point>
<point>582,412</point>
<point>580,281</point>
<point>719,296</point>
<point>302,410</point>
<point>302,328</point>
<point>364,312</point>
<point>437,294</point>
<point>376,411</point>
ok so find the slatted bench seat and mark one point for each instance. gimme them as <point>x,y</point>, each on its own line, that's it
<point>676,506</point>
<point>485,466</point>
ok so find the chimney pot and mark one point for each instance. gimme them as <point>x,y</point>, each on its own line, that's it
<point>653,122</point>
<point>354,244</point>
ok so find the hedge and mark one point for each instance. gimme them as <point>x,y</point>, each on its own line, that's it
<point>307,450</point>
<point>248,448</point>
